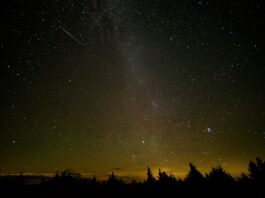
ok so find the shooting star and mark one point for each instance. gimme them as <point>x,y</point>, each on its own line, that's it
<point>71,36</point>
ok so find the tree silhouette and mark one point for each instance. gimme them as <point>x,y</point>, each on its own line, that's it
<point>219,181</point>
<point>219,175</point>
<point>257,170</point>
<point>94,180</point>
<point>150,178</point>
<point>165,179</point>
<point>114,179</point>
<point>68,173</point>
<point>194,176</point>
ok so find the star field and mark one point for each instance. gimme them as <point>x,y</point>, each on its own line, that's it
<point>99,85</point>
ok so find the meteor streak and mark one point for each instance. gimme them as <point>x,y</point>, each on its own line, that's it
<point>71,36</point>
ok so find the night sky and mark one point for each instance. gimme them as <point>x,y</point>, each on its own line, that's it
<point>102,85</point>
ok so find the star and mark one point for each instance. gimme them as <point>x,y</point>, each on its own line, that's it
<point>209,130</point>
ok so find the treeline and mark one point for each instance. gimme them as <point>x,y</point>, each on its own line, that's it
<point>216,183</point>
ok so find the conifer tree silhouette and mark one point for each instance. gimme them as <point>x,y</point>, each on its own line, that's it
<point>150,178</point>
<point>194,176</point>
<point>257,170</point>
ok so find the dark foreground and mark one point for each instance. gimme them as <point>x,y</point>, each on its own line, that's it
<point>217,183</point>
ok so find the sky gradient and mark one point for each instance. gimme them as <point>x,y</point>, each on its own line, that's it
<point>102,85</point>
